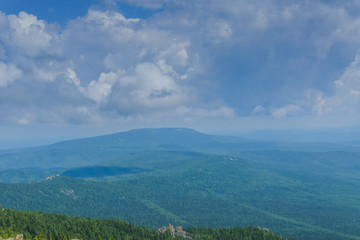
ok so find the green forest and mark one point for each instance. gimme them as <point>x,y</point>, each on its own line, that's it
<point>41,226</point>
<point>305,194</point>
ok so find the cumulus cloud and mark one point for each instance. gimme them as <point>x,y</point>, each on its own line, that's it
<point>344,100</point>
<point>146,87</point>
<point>107,19</point>
<point>99,67</point>
<point>255,58</point>
<point>259,110</point>
<point>72,77</point>
<point>100,89</point>
<point>126,59</point>
<point>285,111</point>
<point>8,73</point>
<point>26,34</point>
<point>176,54</point>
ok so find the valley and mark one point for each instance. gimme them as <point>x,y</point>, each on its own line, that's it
<point>153,177</point>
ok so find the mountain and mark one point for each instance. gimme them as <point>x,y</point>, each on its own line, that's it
<point>98,150</point>
<point>152,177</point>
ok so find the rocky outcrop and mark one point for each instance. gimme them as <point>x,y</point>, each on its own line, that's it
<point>181,233</point>
<point>18,237</point>
<point>175,232</point>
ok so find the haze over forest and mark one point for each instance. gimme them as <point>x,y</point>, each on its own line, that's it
<point>214,115</point>
<point>153,177</point>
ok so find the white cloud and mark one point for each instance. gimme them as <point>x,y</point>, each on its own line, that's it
<point>27,34</point>
<point>72,77</point>
<point>346,96</point>
<point>318,103</point>
<point>8,73</point>
<point>139,70</point>
<point>258,110</point>
<point>285,111</point>
<point>146,87</point>
<point>176,54</point>
<point>339,83</point>
<point>46,75</point>
<point>108,19</point>
<point>100,90</point>
<point>354,93</point>
<point>344,100</point>
<point>182,59</point>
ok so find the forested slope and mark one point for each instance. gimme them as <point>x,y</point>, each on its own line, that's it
<point>34,225</point>
<point>301,194</point>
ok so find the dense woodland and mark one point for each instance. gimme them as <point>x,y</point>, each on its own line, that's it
<point>41,226</point>
<point>213,191</point>
<point>155,177</point>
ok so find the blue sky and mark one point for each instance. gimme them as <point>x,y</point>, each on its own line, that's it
<point>88,67</point>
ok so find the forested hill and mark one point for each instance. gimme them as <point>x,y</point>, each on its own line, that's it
<point>97,150</point>
<point>41,226</point>
<point>153,177</point>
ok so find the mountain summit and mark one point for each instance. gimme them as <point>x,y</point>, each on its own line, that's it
<point>97,150</point>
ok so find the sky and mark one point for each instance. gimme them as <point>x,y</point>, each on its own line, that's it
<point>81,68</point>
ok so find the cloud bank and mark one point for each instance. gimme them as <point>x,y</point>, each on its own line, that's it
<point>187,62</point>
<point>100,66</point>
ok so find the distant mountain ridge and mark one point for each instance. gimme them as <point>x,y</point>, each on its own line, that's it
<point>147,138</point>
<point>97,150</point>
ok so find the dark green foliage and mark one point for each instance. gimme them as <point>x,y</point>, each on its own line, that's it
<point>26,175</point>
<point>305,195</point>
<point>299,195</point>
<point>233,233</point>
<point>54,226</point>
<point>100,171</point>
<point>42,226</point>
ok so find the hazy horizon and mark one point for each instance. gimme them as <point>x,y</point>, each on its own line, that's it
<point>38,138</point>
